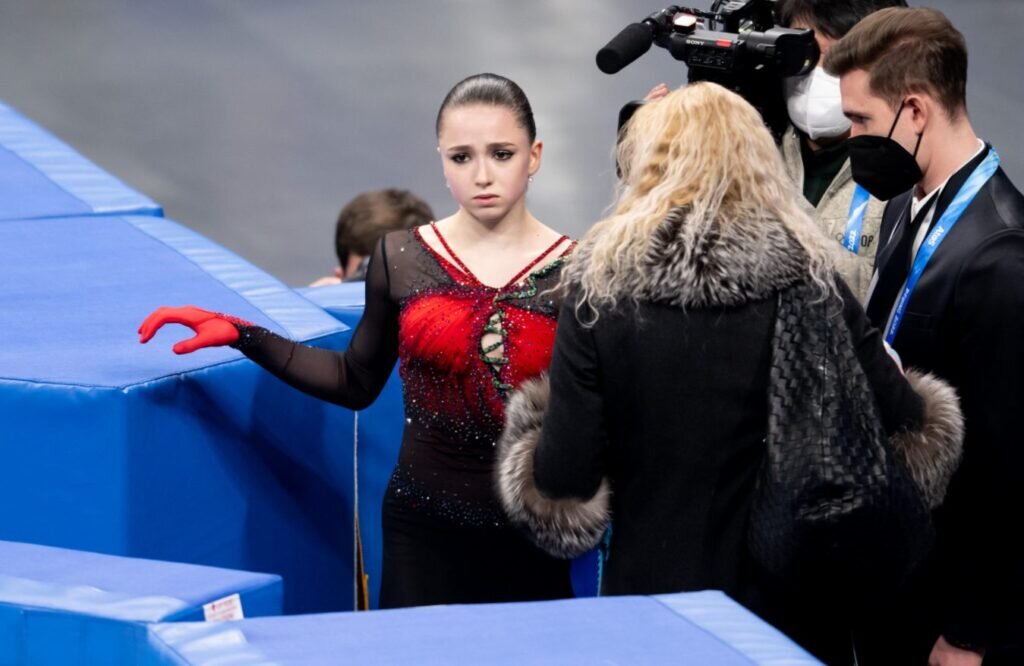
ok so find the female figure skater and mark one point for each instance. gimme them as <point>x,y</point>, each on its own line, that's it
<point>464,306</point>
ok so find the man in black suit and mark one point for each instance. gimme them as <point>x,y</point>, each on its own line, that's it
<point>948,290</point>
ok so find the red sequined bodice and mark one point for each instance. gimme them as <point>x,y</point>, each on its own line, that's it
<point>463,347</point>
<point>454,378</point>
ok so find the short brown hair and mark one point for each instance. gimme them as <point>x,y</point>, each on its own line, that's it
<point>371,215</point>
<point>905,51</point>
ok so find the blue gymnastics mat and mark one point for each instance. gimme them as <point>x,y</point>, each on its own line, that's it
<point>41,176</point>
<point>698,629</point>
<point>62,606</point>
<point>128,449</point>
<point>379,432</point>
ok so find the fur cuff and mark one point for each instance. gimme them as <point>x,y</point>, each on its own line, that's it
<point>933,451</point>
<point>564,527</point>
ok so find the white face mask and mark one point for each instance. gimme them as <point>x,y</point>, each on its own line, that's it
<point>815,105</point>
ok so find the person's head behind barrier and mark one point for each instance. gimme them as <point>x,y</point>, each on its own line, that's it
<point>704,148</point>
<point>370,215</point>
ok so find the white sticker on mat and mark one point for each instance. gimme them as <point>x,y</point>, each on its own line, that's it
<point>223,610</point>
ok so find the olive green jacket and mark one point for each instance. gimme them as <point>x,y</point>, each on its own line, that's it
<point>832,212</point>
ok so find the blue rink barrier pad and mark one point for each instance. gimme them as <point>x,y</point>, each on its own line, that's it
<point>379,432</point>
<point>41,176</point>
<point>127,449</point>
<point>61,606</point>
<point>702,628</point>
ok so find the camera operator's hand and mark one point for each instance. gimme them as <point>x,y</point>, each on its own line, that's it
<point>657,92</point>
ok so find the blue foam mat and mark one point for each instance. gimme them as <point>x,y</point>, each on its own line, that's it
<point>378,437</point>
<point>41,177</point>
<point>345,301</point>
<point>705,628</point>
<point>126,449</point>
<point>61,606</point>
<point>125,588</point>
<point>76,290</point>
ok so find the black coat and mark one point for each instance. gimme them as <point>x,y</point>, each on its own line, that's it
<point>670,405</point>
<point>664,407</point>
<point>965,323</point>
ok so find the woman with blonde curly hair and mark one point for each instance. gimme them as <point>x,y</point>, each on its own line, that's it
<point>663,384</point>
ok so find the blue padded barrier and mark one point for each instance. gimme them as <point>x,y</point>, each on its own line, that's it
<point>129,449</point>
<point>378,437</point>
<point>62,606</point>
<point>615,630</point>
<point>732,624</point>
<point>345,302</point>
<point>41,176</point>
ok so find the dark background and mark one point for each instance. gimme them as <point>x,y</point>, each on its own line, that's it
<point>254,121</point>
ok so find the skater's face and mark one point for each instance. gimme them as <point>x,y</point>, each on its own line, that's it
<point>488,159</point>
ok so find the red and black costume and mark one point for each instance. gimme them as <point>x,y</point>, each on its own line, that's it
<point>463,346</point>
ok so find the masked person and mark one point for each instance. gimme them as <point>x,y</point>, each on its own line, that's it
<point>815,150</point>
<point>814,147</point>
<point>949,295</point>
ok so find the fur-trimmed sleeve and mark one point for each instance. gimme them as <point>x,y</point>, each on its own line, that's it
<point>932,450</point>
<point>564,527</point>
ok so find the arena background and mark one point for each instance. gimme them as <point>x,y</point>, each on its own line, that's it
<point>253,121</point>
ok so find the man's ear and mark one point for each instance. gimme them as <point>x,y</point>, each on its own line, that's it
<point>920,108</point>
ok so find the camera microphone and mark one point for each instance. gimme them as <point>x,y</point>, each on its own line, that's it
<point>735,44</point>
<point>634,41</point>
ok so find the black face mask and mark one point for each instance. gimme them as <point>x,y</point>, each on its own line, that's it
<point>882,166</point>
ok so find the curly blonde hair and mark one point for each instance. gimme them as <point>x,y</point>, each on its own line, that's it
<point>706,149</point>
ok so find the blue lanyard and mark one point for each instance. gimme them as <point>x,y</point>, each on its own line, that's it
<point>855,219</point>
<point>963,199</point>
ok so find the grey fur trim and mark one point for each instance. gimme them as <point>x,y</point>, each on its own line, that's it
<point>564,527</point>
<point>933,452</point>
<point>754,260</point>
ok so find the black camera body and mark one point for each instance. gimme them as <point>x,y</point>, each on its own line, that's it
<point>735,44</point>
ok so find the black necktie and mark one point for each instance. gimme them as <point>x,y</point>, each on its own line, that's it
<point>893,273</point>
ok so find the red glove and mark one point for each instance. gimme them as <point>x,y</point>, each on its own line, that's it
<point>212,328</point>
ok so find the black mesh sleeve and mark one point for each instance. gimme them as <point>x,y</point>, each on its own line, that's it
<point>353,378</point>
